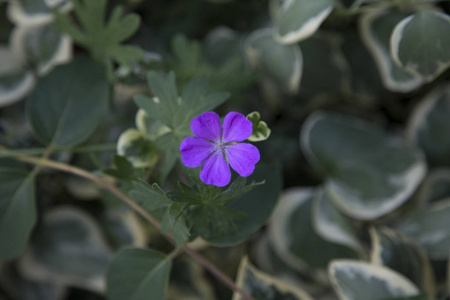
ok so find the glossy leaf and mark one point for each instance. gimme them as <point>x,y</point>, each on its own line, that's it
<point>138,274</point>
<point>375,29</point>
<point>369,173</point>
<point>354,280</point>
<point>265,287</point>
<point>293,236</point>
<point>78,95</point>
<point>392,249</point>
<point>430,57</point>
<point>17,211</point>
<point>296,20</point>
<point>429,124</point>
<point>281,63</point>
<point>429,229</point>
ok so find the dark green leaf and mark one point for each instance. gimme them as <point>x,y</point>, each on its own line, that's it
<point>17,211</point>
<point>138,274</point>
<point>123,169</point>
<point>67,105</point>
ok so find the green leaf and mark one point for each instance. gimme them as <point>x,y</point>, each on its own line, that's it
<point>296,20</point>
<point>429,229</point>
<point>323,62</point>
<point>124,169</point>
<point>257,205</point>
<point>369,173</point>
<point>261,131</point>
<point>332,225</point>
<point>435,187</point>
<point>354,280</point>
<point>40,47</point>
<point>17,211</point>
<point>29,13</point>
<point>15,83</point>
<point>430,57</point>
<point>281,63</point>
<point>294,238</point>
<point>394,250</point>
<point>262,286</point>
<point>78,95</point>
<point>67,232</point>
<point>375,29</point>
<point>429,124</point>
<point>123,228</point>
<point>138,274</point>
<point>102,39</point>
<point>150,197</point>
<point>133,145</point>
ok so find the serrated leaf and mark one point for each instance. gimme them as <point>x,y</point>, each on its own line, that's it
<point>17,211</point>
<point>428,126</point>
<point>281,63</point>
<point>369,173</point>
<point>78,95</point>
<point>394,250</point>
<point>102,39</point>
<point>124,169</point>
<point>296,20</point>
<point>265,287</point>
<point>355,280</point>
<point>150,197</point>
<point>375,29</point>
<point>430,57</point>
<point>138,274</point>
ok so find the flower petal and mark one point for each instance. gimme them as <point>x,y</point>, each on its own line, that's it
<point>207,126</point>
<point>236,128</point>
<point>242,158</point>
<point>216,170</point>
<point>194,151</point>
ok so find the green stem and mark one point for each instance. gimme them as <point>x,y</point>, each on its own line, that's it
<point>45,163</point>
<point>38,151</point>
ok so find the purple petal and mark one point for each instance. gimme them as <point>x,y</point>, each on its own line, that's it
<point>207,126</point>
<point>216,170</point>
<point>194,151</point>
<point>236,128</point>
<point>242,158</point>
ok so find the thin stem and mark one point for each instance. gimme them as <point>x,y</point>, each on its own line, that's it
<point>142,212</point>
<point>37,151</point>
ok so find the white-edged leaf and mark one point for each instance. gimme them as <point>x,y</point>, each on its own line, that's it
<point>369,173</point>
<point>429,125</point>
<point>123,228</point>
<point>332,225</point>
<point>375,30</point>
<point>68,249</point>
<point>40,47</point>
<point>138,150</point>
<point>15,81</point>
<point>357,280</point>
<point>138,274</point>
<point>281,63</point>
<point>293,237</point>
<point>265,287</point>
<point>35,12</point>
<point>429,57</point>
<point>430,229</point>
<point>392,249</point>
<point>296,20</point>
<point>436,186</point>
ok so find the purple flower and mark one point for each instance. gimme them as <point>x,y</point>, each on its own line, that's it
<point>215,147</point>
